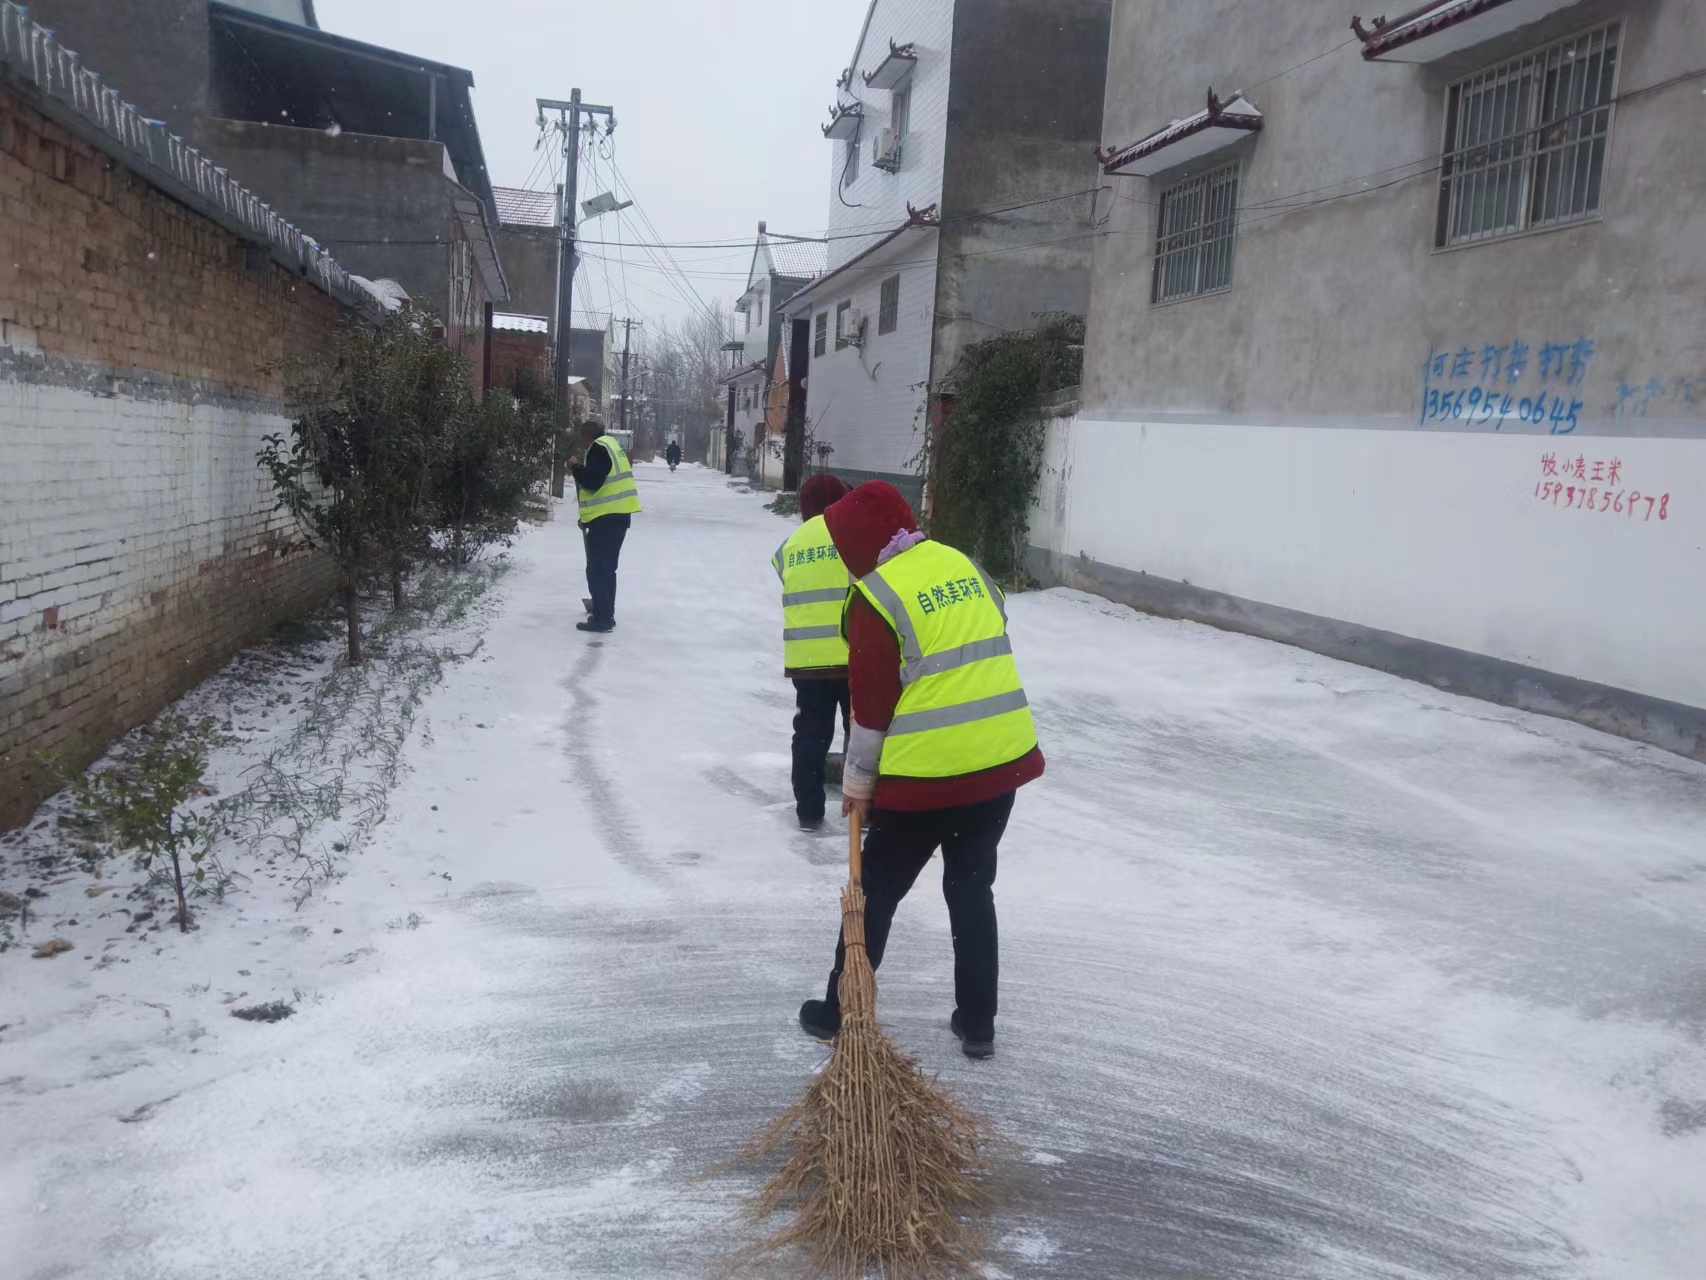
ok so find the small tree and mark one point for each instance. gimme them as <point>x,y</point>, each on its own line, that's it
<point>491,458</point>
<point>139,805</point>
<point>370,417</point>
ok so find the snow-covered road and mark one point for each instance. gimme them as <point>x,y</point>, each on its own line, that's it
<point>1307,973</point>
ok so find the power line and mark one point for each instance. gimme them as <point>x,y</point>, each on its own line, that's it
<point>1324,53</point>
<point>646,219</point>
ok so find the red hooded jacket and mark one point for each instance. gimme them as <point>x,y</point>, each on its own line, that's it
<point>862,524</point>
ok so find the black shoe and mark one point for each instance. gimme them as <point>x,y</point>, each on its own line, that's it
<point>596,624</point>
<point>820,1019</point>
<point>811,824</point>
<point>970,1047</point>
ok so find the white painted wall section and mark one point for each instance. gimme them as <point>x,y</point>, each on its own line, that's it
<point>1482,542</point>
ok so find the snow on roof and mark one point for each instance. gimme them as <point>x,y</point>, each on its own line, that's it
<point>510,322</point>
<point>799,259</point>
<point>387,293</point>
<point>1187,138</point>
<point>518,207</point>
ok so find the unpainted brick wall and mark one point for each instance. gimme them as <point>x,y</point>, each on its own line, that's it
<point>142,350</point>
<point>513,350</point>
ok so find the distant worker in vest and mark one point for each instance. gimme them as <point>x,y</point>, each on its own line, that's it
<point>942,739</point>
<point>608,498</point>
<point>814,654</point>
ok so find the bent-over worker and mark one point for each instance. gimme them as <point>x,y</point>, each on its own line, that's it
<point>942,738</point>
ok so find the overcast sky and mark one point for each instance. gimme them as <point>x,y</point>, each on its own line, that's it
<point>718,107</point>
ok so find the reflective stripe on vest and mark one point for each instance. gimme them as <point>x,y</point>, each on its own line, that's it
<point>618,495</point>
<point>962,708</point>
<point>815,585</point>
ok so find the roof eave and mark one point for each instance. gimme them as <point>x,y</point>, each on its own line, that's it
<point>917,220</point>
<point>1217,115</point>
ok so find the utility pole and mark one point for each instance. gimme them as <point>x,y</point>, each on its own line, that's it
<point>627,337</point>
<point>568,126</point>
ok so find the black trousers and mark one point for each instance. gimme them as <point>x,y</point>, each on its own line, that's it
<point>603,548</point>
<point>896,848</point>
<point>814,734</point>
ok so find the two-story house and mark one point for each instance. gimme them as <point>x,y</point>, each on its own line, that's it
<point>768,376</point>
<point>962,203</point>
<point>1397,353</point>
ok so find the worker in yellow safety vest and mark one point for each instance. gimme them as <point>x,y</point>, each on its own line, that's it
<point>942,738</point>
<point>608,498</point>
<point>814,654</point>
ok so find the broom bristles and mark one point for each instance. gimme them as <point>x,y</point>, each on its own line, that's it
<point>880,1166</point>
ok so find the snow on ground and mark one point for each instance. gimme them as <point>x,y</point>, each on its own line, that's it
<point>1307,973</point>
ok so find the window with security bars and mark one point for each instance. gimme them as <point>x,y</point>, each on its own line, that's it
<point>1193,242</point>
<point>1525,141</point>
<point>820,335</point>
<point>888,306</point>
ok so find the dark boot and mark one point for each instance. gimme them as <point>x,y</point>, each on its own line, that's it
<point>982,1045</point>
<point>595,624</point>
<point>821,1019</point>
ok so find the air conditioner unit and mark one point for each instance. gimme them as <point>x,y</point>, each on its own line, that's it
<point>885,150</point>
<point>853,327</point>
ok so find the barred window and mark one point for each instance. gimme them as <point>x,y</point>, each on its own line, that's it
<point>841,334</point>
<point>1525,141</point>
<point>888,306</point>
<point>820,338</point>
<point>1193,242</point>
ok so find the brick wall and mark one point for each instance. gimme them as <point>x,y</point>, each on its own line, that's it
<point>512,350</point>
<point>141,356</point>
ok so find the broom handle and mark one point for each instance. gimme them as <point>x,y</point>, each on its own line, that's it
<point>855,863</point>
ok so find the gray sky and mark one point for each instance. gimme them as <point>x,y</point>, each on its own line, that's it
<point>718,106</point>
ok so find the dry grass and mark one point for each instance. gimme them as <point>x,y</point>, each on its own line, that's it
<point>880,1167</point>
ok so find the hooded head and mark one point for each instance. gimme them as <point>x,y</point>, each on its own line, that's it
<point>820,492</point>
<point>865,521</point>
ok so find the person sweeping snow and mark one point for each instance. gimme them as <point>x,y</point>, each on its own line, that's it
<point>942,739</point>
<point>814,653</point>
<point>879,1166</point>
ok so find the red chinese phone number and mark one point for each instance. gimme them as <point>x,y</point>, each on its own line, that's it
<point>1593,498</point>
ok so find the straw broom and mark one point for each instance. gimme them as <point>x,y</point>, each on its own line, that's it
<point>879,1165</point>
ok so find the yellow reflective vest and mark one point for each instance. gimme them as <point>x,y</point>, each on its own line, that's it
<point>962,708</point>
<point>814,590</point>
<point>618,495</point>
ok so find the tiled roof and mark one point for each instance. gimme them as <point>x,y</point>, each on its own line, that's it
<point>514,323</point>
<point>518,207</point>
<point>799,259</point>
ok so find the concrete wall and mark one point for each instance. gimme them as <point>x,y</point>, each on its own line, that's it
<point>154,52</point>
<point>298,11</point>
<point>140,348</point>
<point>1024,122</point>
<point>1273,443</point>
<point>529,256</point>
<point>381,205</point>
